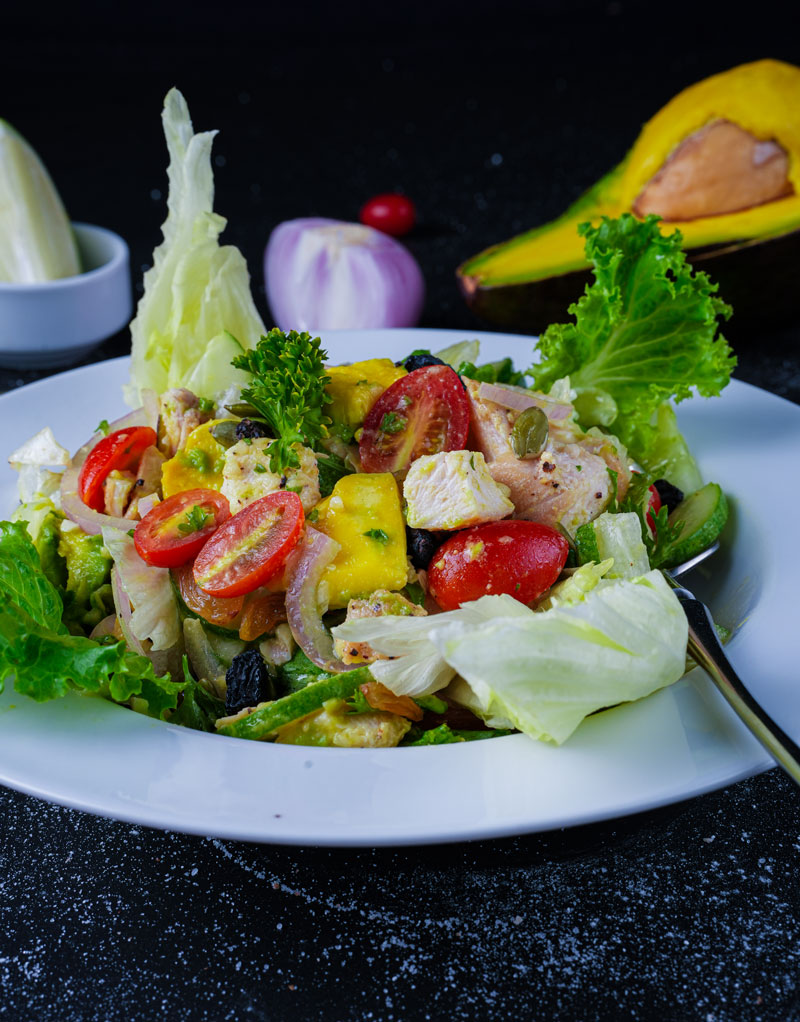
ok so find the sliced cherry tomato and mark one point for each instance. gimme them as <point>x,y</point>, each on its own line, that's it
<point>391,213</point>
<point>522,559</point>
<point>251,547</point>
<point>175,530</point>
<point>653,507</point>
<point>214,609</point>
<point>425,412</point>
<point>121,450</point>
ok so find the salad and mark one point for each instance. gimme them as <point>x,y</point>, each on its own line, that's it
<point>419,552</point>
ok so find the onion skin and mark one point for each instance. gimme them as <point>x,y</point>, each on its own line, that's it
<point>312,555</point>
<point>323,274</point>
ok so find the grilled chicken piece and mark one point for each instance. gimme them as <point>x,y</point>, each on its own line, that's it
<point>148,479</point>
<point>179,415</point>
<point>569,483</point>
<point>379,603</point>
<point>117,489</point>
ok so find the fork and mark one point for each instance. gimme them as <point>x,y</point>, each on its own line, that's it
<point>706,650</point>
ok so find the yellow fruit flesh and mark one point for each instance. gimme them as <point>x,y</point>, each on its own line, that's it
<point>359,504</point>
<point>355,388</point>
<point>198,465</point>
<point>762,98</point>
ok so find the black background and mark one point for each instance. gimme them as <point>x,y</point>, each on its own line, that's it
<point>688,913</point>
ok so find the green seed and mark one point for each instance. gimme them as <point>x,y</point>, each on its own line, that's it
<point>530,433</point>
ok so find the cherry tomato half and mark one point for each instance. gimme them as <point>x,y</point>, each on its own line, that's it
<point>391,213</point>
<point>251,547</point>
<point>121,450</point>
<point>175,530</point>
<point>522,559</point>
<point>425,412</point>
<point>214,609</point>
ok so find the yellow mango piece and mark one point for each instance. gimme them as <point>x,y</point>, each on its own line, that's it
<point>354,389</point>
<point>197,465</point>
<point>364,516</point>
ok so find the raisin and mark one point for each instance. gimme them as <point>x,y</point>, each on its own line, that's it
<point>668,494</point>
<point>247,429</point>
<point>422,545</point>
<point>247,681</point>
<point>419,359</point>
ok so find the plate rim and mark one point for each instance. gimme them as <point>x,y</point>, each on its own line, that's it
<point>424,834</point>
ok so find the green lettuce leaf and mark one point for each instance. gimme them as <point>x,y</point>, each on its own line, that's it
<point>545,673</point>
<point>45,660</point>
<point>197,293</point>
<point>645,332</point>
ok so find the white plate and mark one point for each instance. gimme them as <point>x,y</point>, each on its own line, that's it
<point>677,743</point>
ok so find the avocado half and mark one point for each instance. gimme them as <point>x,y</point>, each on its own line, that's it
<point>752,253</point>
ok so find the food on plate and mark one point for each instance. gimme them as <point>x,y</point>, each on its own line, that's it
<point>390,212</point>
<point>422,552</point>
<point>37,242</point>
<point>719,161</point>
<point>324,274</point>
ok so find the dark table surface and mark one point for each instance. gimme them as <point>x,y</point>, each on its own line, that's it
<point>492,119</point>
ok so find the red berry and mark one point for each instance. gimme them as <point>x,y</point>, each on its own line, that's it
<point>391,213</point>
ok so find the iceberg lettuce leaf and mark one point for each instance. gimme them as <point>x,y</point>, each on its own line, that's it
<point>196,290</point>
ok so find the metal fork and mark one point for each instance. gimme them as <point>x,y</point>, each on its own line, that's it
<point>706,650</point>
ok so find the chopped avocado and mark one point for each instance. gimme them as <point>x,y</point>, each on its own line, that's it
<point>266,719</point>
<point>88,566</point>
<point>334,725</point>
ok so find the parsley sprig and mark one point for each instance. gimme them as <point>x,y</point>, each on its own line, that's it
<point>288,391</point>
<point>194,520</point>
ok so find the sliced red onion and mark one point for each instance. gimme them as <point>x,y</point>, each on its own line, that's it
<point>327,274</point>
<point>104,627</point>
<point>511,397</point>
<point>305,568</point>
<point>87,518</point>
<point>146,504</point>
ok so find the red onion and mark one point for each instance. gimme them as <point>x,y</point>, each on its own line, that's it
<point>327,274</point>
<point>104,627</point>
<point>510,397</point>
<point>312,555</point>
<point>89,520</point>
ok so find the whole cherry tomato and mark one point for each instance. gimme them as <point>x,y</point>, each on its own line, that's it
<point>391,213</point>
<point>522,559</point>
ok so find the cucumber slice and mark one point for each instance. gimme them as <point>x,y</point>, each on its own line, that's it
<point>586,544</point>
<point>701,516</point>
<point>270,716</point>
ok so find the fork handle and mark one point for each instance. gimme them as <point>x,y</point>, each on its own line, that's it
<point>707,651</point>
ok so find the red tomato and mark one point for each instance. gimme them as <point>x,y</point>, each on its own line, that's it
<point>176,529</point>
<point>653,507</point>
<point>425,412</point>
<point>522,559</point>
<point>391,213</point>
<point>251,547</point>
<point>122,451</point>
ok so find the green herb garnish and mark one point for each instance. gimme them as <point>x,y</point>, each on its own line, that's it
<point>392,423</point>
<point>195,520</point>
<point>378,534</point>
<point>288,392</point>
<point>103,427</point>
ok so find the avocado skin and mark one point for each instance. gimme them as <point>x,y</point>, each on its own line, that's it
<point>757,277</point>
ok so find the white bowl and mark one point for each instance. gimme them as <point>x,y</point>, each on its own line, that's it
<point>57,322</point>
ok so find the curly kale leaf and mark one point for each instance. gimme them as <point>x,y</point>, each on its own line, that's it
<point>288,391</point>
